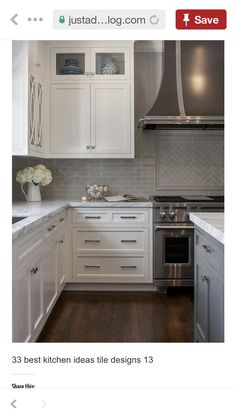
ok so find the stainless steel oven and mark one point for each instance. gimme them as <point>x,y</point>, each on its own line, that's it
<point>174,236</point>
<point>174,254</point>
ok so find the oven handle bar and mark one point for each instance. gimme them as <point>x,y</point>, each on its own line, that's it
<point>173,227</point>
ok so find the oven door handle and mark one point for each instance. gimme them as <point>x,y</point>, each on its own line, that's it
<point>173,227</point>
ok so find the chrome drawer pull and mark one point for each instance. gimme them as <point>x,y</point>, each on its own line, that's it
<point>129,217</point>
<point>128,266</point>
<point>128,241</point>
<point>92,266</point>
<point>92,241</point>
<point>207,248</point>
<point>204,278</point>
<point>51,227</point>
<point>93,216</point>
<point>61,219</point>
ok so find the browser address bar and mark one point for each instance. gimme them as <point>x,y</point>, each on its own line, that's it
<point>108,19</point>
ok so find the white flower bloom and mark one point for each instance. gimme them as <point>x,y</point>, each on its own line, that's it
<point>39,175</point>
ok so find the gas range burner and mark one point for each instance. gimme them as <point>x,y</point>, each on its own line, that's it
<point>186,198</point>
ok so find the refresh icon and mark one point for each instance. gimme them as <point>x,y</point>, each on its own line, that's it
<point>154,19</point>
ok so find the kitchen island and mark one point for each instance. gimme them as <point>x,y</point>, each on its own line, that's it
<point>208,277</point>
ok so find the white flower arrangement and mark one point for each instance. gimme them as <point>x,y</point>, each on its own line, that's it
<point>38,175</point>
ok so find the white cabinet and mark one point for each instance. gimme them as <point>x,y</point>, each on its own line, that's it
<point>27,282</point>
<point>91,121</point>
<point>70,119</point>
<point>69,63</point>
<point>27,98</point>
<point>39,274</point>
<point>91,101</point>
<point>111,245</point>
<point>90,63</point>
<point>111,120</point>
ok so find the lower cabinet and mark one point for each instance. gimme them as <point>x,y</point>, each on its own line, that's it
<point>209,289</point>
<point>39,273</point>
<point>111,245</point>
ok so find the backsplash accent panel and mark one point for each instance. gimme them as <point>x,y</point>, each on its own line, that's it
<point>191,162</point>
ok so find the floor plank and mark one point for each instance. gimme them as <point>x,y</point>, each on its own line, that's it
<point>121,317</point>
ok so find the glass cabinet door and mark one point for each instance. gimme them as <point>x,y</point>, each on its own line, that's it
<point>70,63</point>
<point>110,63</point>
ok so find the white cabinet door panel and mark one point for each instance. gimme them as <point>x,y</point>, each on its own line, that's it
<point>37,296</point>
<point>70,118</point>
<point>110,119</point>
<point>49,278</point>
<point>21,307</point>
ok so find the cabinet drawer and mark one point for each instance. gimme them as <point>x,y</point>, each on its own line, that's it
<point>109,240</point>
<point>209,251</point>
<point>128,217</point>
<point>110,269</point>
<point>90,217</point>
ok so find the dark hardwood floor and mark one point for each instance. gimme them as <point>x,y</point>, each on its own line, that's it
<point>121,317</point>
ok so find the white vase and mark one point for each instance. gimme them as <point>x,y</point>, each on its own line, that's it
<point>33,192</point>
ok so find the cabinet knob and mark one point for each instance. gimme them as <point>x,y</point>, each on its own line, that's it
<point>88,147</point>
<point>61,241</point>
<point>51,227</point>
<point>204,278</point>
<point>93,147</point>
<point>207,248</point>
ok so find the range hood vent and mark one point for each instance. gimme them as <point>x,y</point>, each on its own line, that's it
<point>191,93</point>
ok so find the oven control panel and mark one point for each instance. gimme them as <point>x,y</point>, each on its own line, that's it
<point>168,214</point>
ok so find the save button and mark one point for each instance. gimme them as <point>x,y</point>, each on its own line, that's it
<point>201,19</point>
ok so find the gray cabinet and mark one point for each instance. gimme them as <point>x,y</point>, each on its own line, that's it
<point>209,289</point>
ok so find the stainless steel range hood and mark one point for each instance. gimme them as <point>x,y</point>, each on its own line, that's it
<point>191,93</point>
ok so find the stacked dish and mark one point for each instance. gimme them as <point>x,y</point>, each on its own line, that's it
<point>71,67</point>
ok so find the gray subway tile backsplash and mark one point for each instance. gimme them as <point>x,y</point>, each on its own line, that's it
<point>166,161</point>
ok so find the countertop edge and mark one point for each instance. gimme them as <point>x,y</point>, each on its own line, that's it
<point>48,209</point>
<point>210,223</point>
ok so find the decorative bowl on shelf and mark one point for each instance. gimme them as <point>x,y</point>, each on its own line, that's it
<point>97,191</point>
<point>109,66</point>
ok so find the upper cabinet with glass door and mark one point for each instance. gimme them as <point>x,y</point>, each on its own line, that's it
<point>110,63</point>
<point>70,63</point>
<point>100,63</point>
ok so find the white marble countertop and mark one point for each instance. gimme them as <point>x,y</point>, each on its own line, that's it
<point>210,222</point>
<point>38,212</point>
